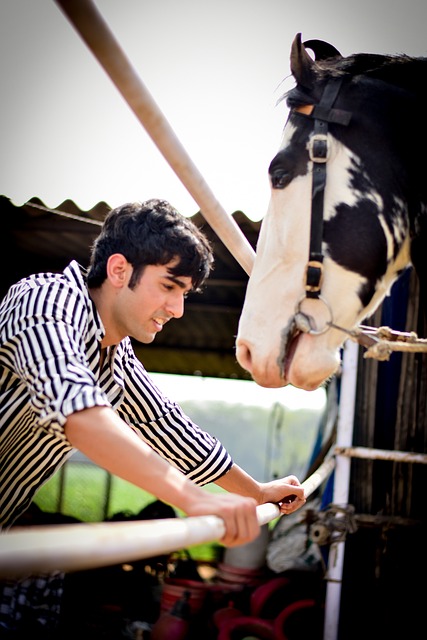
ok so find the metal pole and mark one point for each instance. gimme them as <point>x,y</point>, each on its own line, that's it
<point>341,487</point>
<point>72,547</point>
<point>95,32</point>
<point>46,548</point>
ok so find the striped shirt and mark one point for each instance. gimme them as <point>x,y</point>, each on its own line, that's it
<point>50,350</point>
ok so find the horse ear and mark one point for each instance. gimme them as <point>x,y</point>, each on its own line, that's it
<point>321,49</point>
<point>301,64</point>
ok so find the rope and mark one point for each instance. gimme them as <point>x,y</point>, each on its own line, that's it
<point>383,349</point>
<point>381,342</point>
<point>381,454</point>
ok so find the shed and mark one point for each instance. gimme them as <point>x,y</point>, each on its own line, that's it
<point>202,342</point>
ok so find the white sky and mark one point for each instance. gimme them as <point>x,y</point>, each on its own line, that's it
<point>214,67</point>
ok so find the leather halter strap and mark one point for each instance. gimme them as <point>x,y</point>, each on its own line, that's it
<point>322,113</point>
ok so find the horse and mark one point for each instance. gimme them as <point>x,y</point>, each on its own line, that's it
<point>347,212</point>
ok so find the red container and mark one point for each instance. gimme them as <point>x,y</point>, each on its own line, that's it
<point>269,599</point>
<point>300,619</point>
<point>228,574</point>
<point>173,625</point>
<point>173,590</point>
<point>220,616</point>
<point>246,626</point>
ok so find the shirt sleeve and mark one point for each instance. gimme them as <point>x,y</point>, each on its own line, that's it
<point>48,354</point>
<point>162,423</point>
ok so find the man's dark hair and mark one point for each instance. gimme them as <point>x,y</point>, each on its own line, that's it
<point>151,233</point>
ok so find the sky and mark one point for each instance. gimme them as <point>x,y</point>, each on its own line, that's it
<point>216,69</point>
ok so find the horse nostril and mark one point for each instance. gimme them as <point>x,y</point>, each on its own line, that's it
<point>244,357</point>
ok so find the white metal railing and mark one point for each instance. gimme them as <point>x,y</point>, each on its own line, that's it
<point>71,547</point>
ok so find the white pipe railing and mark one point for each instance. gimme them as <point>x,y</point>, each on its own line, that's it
<point>72,547</point>
<point>94,31</point>
<point>341,487</point>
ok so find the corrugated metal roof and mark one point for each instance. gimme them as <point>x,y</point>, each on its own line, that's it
<point>43,239</point>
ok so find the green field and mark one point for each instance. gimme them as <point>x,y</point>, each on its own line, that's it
<point>275,444</point>
<point>86,492</point>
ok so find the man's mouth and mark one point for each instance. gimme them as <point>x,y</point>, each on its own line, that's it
<point>159,322</point>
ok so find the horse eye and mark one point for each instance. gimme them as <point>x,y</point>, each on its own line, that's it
<point>280,178</point>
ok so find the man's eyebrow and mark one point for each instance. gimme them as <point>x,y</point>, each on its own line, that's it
<point>176,280</point>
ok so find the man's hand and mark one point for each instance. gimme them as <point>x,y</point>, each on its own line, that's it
<point>287,493</point>
<point>238,513</point>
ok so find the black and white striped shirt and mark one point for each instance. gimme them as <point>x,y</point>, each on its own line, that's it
<point>50,347</point>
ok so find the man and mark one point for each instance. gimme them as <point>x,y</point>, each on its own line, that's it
<point>69,378</point>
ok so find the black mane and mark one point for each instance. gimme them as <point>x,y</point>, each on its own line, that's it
<point>406,72</point>
<point>400,70</point>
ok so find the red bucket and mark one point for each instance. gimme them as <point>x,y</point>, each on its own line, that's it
<point>229,574</point>
<point>174,588</point>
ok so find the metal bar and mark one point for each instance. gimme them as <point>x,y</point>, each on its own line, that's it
<point>46,548</point>
<point>94,31</point>
<point>72,547</point>
<point>381,454</point>
<point>341,488</point>
<point>319,476</point>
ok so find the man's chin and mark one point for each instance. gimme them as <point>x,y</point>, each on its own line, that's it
<point>146,338</point>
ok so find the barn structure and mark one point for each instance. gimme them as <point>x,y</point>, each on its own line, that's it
<point>202,341</point>
<point>382,526</point>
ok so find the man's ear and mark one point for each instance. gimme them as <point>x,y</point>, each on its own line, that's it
<point>118,270</point>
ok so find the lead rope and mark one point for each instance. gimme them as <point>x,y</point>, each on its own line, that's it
<point>381,342</point>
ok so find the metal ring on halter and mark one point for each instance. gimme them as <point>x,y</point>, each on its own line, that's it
<point>304,322</point>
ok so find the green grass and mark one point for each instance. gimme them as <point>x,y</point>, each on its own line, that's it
<point>91,495</point>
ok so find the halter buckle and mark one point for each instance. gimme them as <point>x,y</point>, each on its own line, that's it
<point>313,277</point>
<point>318,148</point>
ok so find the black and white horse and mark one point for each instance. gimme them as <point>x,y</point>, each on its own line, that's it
<point>348,211</point>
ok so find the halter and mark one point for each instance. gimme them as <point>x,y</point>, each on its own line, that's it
<point>318,150</point>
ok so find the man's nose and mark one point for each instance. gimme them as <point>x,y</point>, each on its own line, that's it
<point>175,306</point>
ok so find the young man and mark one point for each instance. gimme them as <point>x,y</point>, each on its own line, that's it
<point>69,378</point>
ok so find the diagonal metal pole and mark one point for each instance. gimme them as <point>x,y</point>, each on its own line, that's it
<point>94,31</point>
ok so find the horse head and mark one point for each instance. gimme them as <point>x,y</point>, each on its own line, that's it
<point>346,213</point>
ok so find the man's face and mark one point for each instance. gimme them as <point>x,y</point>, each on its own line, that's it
<point>158,297</point>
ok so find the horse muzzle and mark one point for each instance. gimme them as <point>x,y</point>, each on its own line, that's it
<point>305,354</point>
